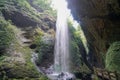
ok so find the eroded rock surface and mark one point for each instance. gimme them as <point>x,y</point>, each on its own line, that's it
<point>100,21</point>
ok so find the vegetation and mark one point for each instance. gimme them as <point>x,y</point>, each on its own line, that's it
<point>12,52</point>
<point>113,57</point>
<point>7,35</point>
<point>15,57</point>
<point>24,7</point>
<point>43,47</point>
<point>76,50</point>
<point>39,42</point>
<point>45,5</point>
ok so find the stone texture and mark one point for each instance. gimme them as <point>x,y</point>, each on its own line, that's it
<point>19,19</point>
<point>100,21</point>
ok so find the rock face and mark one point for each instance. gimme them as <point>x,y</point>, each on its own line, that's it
<point>100,21</point>
<point>47,49</point>
<point>20,22</point>
<point>19,19</point>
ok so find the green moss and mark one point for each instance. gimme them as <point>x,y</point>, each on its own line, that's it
<point>10,66</point>
<point>19,71</point>
<point>43,48</point>
<point>38,41</point>
<point>113,57</point>
<point>7,35</point>
<point>10,44</point>
<point>45,5</point>
<point>74,47</point>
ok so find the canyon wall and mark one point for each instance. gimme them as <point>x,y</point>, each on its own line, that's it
<point>100,21</point>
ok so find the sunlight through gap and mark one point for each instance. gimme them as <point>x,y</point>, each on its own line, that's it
<point>62,4</point>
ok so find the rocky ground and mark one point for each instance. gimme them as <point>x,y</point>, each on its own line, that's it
<point>24,24</point>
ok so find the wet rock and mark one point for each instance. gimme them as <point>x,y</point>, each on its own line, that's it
<point>19,19</point>
<point>100,20</point>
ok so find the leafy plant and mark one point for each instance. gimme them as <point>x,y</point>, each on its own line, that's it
<point>7,35</point>
<point>113,57</point>
<point>44,4</point>
<point>74,46</point>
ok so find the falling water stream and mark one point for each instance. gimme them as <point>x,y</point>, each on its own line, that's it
<point>60,70</point>
<point>62,43</point>
<point>61,52</point>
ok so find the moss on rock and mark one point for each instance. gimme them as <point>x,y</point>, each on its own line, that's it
<point>44,47</point>
<point>15,59</point>
<point>113,57</point>
<point>7,35</point>
<point>15,55</point>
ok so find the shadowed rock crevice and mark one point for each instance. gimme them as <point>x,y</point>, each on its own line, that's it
<point>99,20</point>
<point>19,19</point>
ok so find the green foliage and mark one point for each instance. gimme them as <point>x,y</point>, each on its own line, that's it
<point>113,57</point>
<point>2,58</point>
<point>22,71</point>
<point>43,78</point>
<point>43,48</point>
<point>38,36</point>
<point>74,46</point>
<point>14,70</point>
<point>27,9</point>
<point>43,4</point>
<point>24,7</point>
<point>38,41</point>
<point>18,3</point>
<point>23,3</point>
<point>2,2</point>
<point>95,77</point>
<point>17,70</point>
<point>7,34</point>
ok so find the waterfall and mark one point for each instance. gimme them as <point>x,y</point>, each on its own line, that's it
<point>61,60</point>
